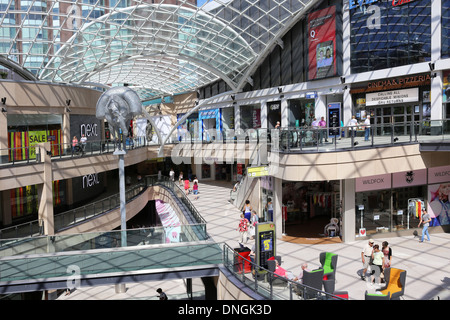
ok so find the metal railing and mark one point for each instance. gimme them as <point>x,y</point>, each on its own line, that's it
<point>298,140</point>
<point>71,218</point>
<point>65,151</point>
<point>266,283</point>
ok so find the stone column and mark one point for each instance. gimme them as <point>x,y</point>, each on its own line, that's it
<point>46,196</point>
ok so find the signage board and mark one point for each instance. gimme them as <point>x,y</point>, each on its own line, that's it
<point>392,97</point>
<point>254,172</point>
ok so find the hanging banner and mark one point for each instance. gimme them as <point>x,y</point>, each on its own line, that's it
<point>322,43</point>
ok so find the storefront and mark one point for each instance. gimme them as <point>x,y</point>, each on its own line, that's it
<point>301,111</point>
<point>392,202</point>
<point>227,122</point>
<point>250,116</point>
<point>309,206</point>
<point>210,124</point>
<point>189,128</point>
<point>89,126</point>
<point>26,131</point>
<point>273,114</point>
<point>394,103</point>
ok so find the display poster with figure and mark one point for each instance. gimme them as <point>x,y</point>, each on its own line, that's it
<point>322,43</point>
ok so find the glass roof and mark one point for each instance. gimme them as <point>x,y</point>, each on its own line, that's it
<point>159,49</point>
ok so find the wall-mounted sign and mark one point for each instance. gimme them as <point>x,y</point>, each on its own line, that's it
<point>311,95</point>
<point>89,130</point>
<point>379,182</point>
<point>322,43</point>
<point>394,83</point>
<point>439,174</point>
<point>90,180</point>
<point>392,97</point>
<point>255,172</point>
<point>409,178</point>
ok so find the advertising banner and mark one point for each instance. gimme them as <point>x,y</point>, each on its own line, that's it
<point>322,43</point>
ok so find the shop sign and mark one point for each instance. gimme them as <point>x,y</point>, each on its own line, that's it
<point>379,182</point>
<point>394,83</point>
<point>89,130</point>
<point>392,96</point>
<point>255,172</point>
<point>90,180</point>
<point>359,3</point>
<point>311,95</point>
<point>409,178</point>
<point>439,174</point>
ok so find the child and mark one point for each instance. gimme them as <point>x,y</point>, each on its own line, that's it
<point>195,188</point>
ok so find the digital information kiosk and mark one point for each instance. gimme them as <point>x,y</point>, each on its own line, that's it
<point>265,243</point>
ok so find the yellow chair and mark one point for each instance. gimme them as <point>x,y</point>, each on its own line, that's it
<point>395,282</point>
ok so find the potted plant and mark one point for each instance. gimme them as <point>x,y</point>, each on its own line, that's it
<point>3,74</point>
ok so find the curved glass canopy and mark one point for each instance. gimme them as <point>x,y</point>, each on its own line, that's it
<point>158,49</point>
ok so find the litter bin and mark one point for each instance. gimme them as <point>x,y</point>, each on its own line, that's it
<point>239,260</point>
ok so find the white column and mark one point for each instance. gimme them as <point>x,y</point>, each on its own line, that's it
<point>277,209</point>
<point>348,210</point>
<point>436,83</point>
<point>264,113</point>
<point>321,107</point>
<point>284,113</point>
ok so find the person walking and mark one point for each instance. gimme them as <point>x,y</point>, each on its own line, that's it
<point>367,128</point>
<point>366,255</point>
<point>323,129</point>
<point>253,222</point>
<point>74,143</point>
<point>387,257</point>
<point>83,141</point>
<point>243,229</point>
<point>247,210</point>
<point>186,186</point>
<point>195,190</point>
<point>353,126</point>
<point>161,294</point>
<point>377,258</point>
<point>425,220</point>
<point>172,174</point>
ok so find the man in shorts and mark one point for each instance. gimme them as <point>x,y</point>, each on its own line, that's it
<point>366,254</point>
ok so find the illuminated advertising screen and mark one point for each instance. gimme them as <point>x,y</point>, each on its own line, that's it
<point>265,243</point>
<point>322,43</point>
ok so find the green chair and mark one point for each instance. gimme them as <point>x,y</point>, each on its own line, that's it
<point>376,296</point>
<point>328,260</point>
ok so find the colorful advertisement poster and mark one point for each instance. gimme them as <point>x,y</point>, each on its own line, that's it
<point>439,203</point>
<point>322,43</point>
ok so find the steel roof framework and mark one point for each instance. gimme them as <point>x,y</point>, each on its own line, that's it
<point>160,49</point>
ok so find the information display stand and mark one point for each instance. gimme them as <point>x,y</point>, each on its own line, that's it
<point>264,244</point>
